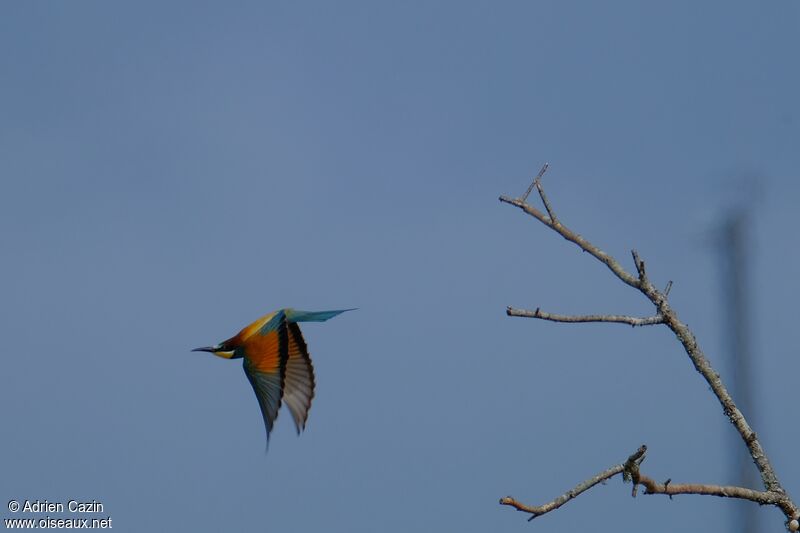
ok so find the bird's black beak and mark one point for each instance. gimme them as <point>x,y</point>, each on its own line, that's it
<point>211,349</point>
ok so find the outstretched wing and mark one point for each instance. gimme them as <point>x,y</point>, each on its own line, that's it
<point>265,362</point>
<point>299,385</point>
<point>296,315</point>
<point>278,365</point>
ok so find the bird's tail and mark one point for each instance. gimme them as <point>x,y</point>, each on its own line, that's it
<point>295,315</point>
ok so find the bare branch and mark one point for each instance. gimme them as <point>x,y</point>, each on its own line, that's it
<point>723,491</point>
<point>639,268</point>
<point>620,319</point>
<point>630,471</point>
<point>543,196</point>
<point>571,236</point>
<point>703,366</point>
<point>670,318</point>
<point>564,498</point>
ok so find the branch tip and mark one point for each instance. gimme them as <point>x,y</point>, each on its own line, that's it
<point>533,184</point>
<point>668,288</point>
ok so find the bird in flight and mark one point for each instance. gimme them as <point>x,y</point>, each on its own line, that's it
<point>276,362</point>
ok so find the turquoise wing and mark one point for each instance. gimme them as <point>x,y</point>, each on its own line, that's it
<point>295,315</point>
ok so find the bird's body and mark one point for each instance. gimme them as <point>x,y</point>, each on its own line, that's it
<point>276,362</point>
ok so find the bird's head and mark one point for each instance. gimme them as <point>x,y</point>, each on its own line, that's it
<point>223,349</point>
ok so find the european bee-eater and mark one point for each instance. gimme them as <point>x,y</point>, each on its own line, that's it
<point>276,362</point>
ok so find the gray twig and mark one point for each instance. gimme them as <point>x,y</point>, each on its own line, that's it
<point>537,179</point>
<point>630,471</point>
<point>620,319</point>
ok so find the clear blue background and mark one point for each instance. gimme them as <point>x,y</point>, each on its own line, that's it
<point>171,171</point>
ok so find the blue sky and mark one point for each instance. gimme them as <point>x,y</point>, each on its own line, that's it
<point>170,172</point>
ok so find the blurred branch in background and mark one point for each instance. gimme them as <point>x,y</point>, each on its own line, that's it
<point>774,494</point>
<point>733,249</point>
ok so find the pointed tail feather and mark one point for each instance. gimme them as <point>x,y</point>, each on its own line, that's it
<point>295,315</point>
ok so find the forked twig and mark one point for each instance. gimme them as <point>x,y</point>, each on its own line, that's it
<point>581,487</point>
<point>534,183</point>
<point>630,471</point>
